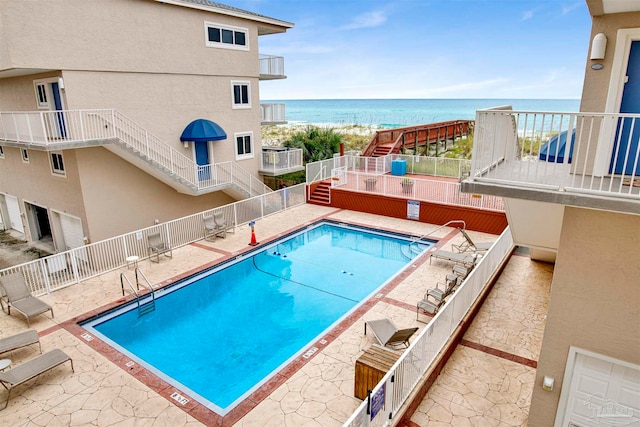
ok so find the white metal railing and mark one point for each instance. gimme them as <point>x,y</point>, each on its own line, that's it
<point>319,171</point>
<point>276,161</point>
<point>272,113</point>
<point>271,65</point>
<point>415,189</point>
<point>76,265</point>
<point>396,386</point>
<point>592,153</point>
<point>53,128</point>
<point>416,165</point>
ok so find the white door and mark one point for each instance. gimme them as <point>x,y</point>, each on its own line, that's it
<point>71,231</point>
<point>13,208</point>
<point>602,393</point>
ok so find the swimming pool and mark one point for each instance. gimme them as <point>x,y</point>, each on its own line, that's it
<point>222,333</point>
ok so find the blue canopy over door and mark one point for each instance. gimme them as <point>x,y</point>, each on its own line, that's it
<point>200,132</point>
<point>625,151</point>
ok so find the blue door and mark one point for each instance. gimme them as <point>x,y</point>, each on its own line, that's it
<point>625,150</point>
<point>59,115</point>
<point>202,159</point>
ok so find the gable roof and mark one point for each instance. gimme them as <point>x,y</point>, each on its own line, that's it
<point>223,9</point>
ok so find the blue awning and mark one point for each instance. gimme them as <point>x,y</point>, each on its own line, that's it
<point>202,130</point>
<point>555,149</point>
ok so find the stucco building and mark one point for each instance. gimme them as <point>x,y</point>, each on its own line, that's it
<point>95,98</point>
<point>571,186</point>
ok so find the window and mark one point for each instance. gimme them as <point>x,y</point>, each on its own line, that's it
<point>1,152</point>
<point>25,155</point>
<point>226,37</point>
<point>57,164</point>
<point>41,95</point>
<point>244,145</point>
<point>241,95</point>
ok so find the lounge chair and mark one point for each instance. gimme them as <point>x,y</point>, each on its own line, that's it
<point>388,334</point>
<point>19,297</point>
<point>428,306</point>
<point>22,339</point>
<point>461,258</point>
<point>31,369</point>
<point>158,247</point>
<point>469,245</point>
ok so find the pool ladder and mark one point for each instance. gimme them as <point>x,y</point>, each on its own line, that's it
<point>147,307</point>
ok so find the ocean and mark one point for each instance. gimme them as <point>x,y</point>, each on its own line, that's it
<point>391,113</point>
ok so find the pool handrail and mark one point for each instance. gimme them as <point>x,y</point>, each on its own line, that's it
<point>418,239</point>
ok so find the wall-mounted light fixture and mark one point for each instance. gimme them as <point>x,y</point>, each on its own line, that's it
<point>186,144</point>
<point>60,83</point>
<point>547,383</point>
<point>598,46</point>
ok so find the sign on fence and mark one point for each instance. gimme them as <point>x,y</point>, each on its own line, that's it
<point>377,401</point>
<point>413,209</point>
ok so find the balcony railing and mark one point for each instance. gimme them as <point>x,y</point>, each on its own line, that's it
<point>595,154</point>
<point>272,114</point>
<point>66,129</point>
<point>280,161</point>
<point>271,67</point>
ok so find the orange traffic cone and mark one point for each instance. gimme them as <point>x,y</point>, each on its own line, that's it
<point>253,238</point>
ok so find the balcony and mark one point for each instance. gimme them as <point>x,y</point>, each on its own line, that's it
<point>578,159</point>
<point>272,114</point>
<point>280,160</point>
<point>271,67</point>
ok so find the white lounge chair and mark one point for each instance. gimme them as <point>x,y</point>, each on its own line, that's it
<point>20,340</point>
<point>19,297</point>
<point>469,245</point>
<point>388,334</point>
<point>461,258</point>
<point>31,369</point>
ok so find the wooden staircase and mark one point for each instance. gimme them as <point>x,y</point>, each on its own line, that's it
<point>382,150</point>
<point>321,194</point>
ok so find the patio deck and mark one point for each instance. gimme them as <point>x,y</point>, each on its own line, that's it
<point>107,389</point>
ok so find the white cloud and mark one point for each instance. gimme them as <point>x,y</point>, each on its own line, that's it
<point>566,8</point>
<point>366,20</point>
<point>527,15</point>
<point>467,87</point>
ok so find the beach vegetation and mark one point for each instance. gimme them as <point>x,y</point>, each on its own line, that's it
<point>316,143</point>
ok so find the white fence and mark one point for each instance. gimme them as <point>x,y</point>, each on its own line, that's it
<point>278,161</point>
<point>76,265</point>
<point>392,391</point>
<point>271,65</point>
<point>428,190</point>
<point>272,113</point>
<point>594,153</point>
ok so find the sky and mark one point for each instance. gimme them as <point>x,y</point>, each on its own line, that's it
<point>343,49</point>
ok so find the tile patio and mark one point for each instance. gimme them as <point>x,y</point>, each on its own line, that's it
<point>106,389</point>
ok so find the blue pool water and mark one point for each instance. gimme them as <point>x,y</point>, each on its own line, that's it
<point>222,333</point>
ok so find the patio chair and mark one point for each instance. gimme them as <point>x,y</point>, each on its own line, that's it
<point>220,223</point>
<point>210,228</point>
<point>439,293</point>
<point>461,258</point>
<point>20,340</point>
<point>31,369</point>
<point>469,245</point>
<point>388,334</point>
<point>18,296</point>
<point>158,247</point>
<point>428,306</point>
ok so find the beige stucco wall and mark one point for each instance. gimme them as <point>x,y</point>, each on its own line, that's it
<point>595,299</point>
<point>120,35</point>
<point>35,183</point>
<point>18,93</point>
<point>120,197</point>
<point>165,104</point>
<point>596,82</point>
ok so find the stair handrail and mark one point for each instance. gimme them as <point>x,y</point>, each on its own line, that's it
<point>124,278</point>
<point>146,284</point>
<point>177,162</point>
<point>416,240</point>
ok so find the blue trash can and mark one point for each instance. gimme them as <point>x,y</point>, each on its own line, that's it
<point>398,167</point>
